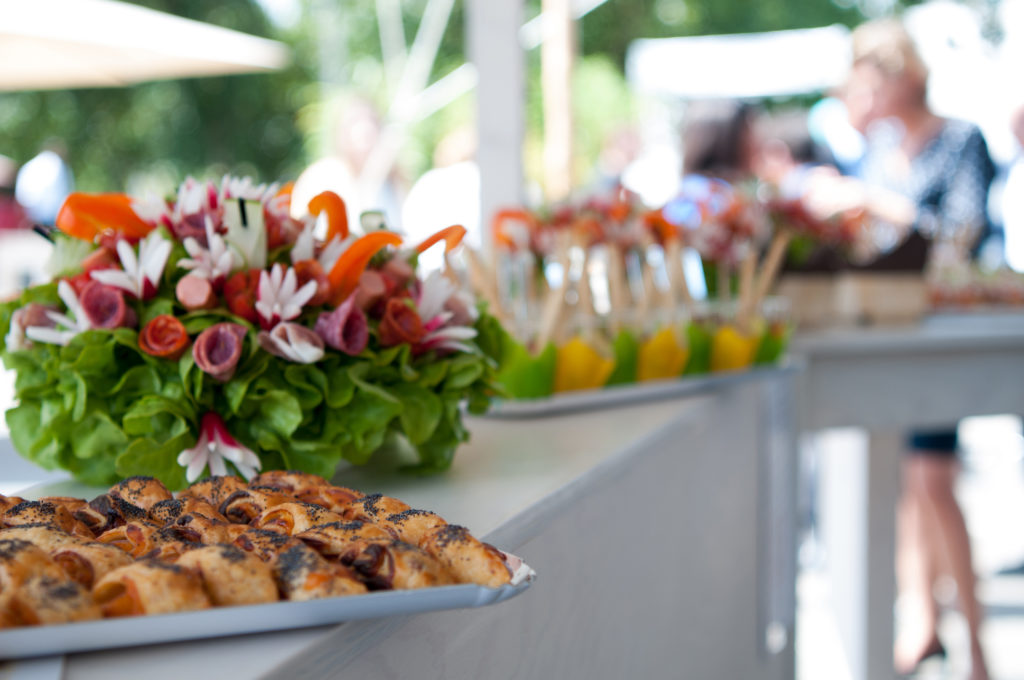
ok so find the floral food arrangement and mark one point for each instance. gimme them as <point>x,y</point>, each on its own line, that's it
<point>215,332</point>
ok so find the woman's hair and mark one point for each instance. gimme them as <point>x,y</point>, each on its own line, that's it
<point>886,45</point>
<point>716,138</point>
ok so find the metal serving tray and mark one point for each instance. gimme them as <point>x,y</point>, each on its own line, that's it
<point>625,395</point>
<point>20,643</point>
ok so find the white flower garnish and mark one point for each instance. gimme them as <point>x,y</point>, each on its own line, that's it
<point>213,262</point>
<point>246,189</point>
<point>435,291</point>
<point>72,327</point>
<point>293,342</point>
<point>141,275</point>
<point>215,446</point>
<point>277,298</point>
<point>434,294</point>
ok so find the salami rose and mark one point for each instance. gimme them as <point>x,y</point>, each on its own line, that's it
<point>164,337</point>
<point>400,324</point>
<point>310,270</point>
<point>344,329</point>
<point>195,292</point>
<point>240,294</point>
<point>372,288</point>
<point>105,306</point>
<point>218,349</point>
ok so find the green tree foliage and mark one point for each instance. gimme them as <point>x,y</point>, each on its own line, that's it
<point>610,28</point>
<point>245,123</point>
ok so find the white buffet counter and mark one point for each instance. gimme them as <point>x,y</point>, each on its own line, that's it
<point>662,534</point>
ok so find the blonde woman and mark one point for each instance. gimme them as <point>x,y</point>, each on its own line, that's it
<point>943,167</point>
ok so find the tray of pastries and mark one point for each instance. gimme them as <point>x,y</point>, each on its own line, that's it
<point>140,565</point>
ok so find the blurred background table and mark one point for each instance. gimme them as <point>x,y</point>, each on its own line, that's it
<point>887,381</point>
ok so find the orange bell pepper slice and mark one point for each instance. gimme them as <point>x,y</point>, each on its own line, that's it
<point>662,228</point>
<point>501,238</point>
<point>581,367</point>
<point>661,356</point>
<point>337,215</point>
<point>452,237</point>
<point>344,275</point>
<point>88,216</point>
<point>732,349</point>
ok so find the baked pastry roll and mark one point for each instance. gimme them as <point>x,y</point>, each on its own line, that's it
<point>266,545</point>
<point>168,546</point>
<point>302,575</point>
<point>8,502</point>
<point>150,587</point>
<point>143,492</point>
<point>395,565</point>
<point>36,590</point>
<point>168,511</point>
<point>373,508</point>
<point>243,505</point>
<point>334,498</point>
<point>411,525</point>
<point>467,559</point>
<point>83,560</point>
<point>199,528</point>
<point>135,538</point>
<point>38,512</point>
<point>291,481</point>
<point>231,576</point>
<point>293,518</point>
<point>337,539</point>
<point>20,559</point>
<point>214,490</point>
<point>106,512</point>
<point>70,504</point>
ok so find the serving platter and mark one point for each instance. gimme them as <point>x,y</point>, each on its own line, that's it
<point>625,395</point>
<point>105,634</point>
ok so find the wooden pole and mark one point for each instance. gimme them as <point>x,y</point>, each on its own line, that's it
<point>556,60</point>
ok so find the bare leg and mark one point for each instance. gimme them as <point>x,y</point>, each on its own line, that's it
<point>917,569</point>
<point>937,475</point>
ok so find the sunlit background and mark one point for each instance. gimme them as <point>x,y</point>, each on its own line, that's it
<point>378,100</point>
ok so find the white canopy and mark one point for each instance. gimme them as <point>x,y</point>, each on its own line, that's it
<point>59,44</point>
<point>741,65</point>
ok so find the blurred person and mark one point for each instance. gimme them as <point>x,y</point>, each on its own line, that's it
<point>720,140</point>
<point>44,182</point>
<point>12,214</point>
<point>1013,197</point>
<point>943,166</point>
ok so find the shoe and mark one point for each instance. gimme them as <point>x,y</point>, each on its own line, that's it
<point>935,648</point>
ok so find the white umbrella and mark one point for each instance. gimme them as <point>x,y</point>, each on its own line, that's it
<point>62,44</point>
<point>741,65</point>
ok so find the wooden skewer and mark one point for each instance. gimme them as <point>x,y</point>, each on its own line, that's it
<point>652,296</point>
<point>772,265</point>
<point>617,292</point>
<point>555,299</point>
<point>723,274</point>
<point>748,269</point>
<point>485,284</point>
<point>676,274</point>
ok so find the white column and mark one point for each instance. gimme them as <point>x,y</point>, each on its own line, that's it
<point>860,487</point>
<point>492,28</point>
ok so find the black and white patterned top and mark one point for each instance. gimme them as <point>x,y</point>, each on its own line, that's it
<point>948,180</point>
